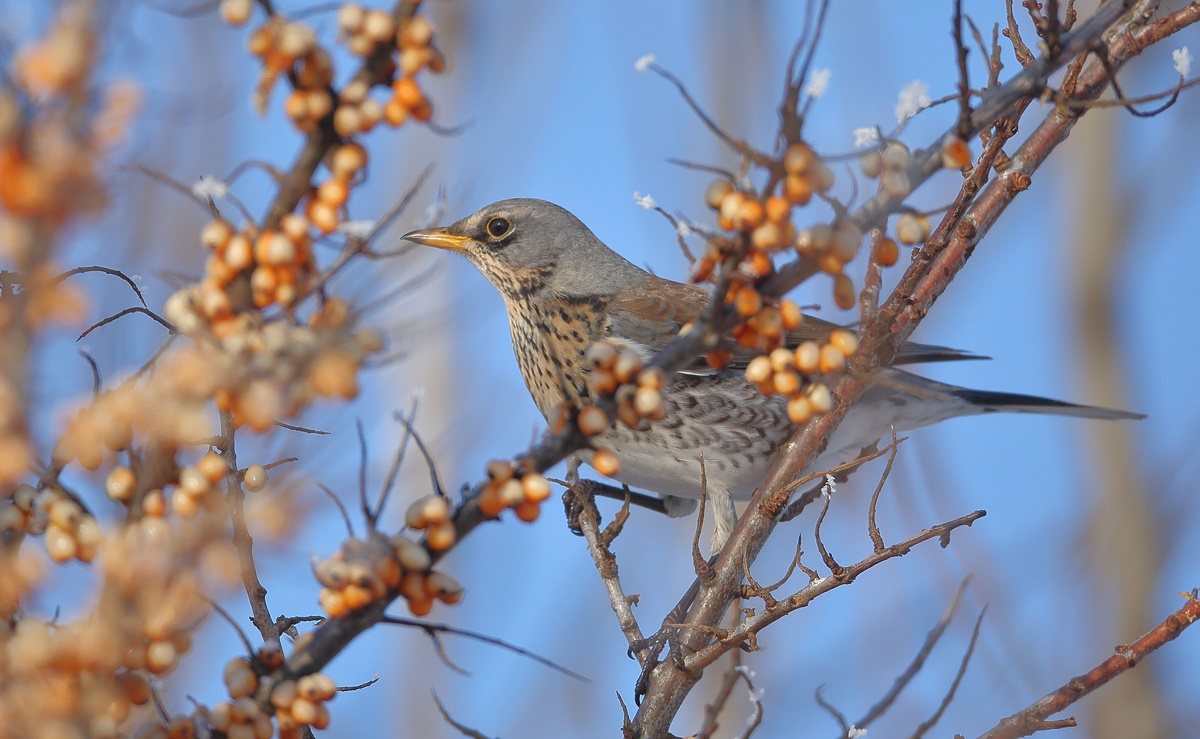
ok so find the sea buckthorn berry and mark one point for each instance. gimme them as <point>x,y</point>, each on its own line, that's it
<point>592,420</point>
<point>807,357</point>
<point>843,292</point>
<point>798,159</point>
<point>606,462</point>
<point>955,152</point>
<point>715,193</point>
<point>759,369</point>
<point>871,164</point>
<point>798,409</point>
<point>791,315</point>
<point>886,252</point>
<point>255,478</point>
<point>536,487</point>
<point>845,341</point>
<point>912,228</point>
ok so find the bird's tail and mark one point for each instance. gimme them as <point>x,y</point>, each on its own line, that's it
<point>1017,403</point>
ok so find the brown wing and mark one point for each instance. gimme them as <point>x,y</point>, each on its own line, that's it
<point>654,314</point>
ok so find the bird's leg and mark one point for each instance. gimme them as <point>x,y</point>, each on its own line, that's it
<point>724,516</point>
<point>571,497</point>
<point>653,644</point>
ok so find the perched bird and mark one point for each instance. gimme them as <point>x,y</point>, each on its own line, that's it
<point>565,289</point>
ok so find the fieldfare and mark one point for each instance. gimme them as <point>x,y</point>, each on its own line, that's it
<point>565,289</point>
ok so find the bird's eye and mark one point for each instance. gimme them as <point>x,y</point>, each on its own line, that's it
<point>498,228</point>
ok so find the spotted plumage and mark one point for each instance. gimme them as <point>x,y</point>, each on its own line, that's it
<point>564,289</point>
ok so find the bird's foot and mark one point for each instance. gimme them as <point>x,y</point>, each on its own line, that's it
<point>677,507</point>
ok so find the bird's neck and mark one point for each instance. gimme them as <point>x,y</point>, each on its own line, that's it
<point>550,337</point>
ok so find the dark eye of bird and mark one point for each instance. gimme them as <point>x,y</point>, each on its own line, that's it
<point>498,227</point>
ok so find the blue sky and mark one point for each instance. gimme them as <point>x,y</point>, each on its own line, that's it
<point>554,109</point>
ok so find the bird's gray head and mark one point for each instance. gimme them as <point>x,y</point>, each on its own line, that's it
<point>531,248</point>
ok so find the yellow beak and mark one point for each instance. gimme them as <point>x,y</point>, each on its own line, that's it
<point>437,237</point>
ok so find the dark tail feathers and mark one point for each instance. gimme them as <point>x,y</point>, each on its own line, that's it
<point>1013,402</point>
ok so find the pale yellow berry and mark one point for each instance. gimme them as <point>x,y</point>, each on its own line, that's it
<point>536,487</point>
<point>845,341</point>
<point>807,357</point>
<point>832,360</point>
<point>819,397</point>
<point>255,478</point>
<point>759,369</point>
<point>592,420</point>
<point>120,484</point>
<point>606,462</point>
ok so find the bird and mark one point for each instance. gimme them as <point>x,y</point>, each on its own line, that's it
<point>564,290</point>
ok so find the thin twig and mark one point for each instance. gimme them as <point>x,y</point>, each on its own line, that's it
<point>462,728</point>
<point>108,271</point>
<point>121,314</point>
<point>962,670</point>
<point>432,628</point>
<point>340,506</point>
<point>905,678</point>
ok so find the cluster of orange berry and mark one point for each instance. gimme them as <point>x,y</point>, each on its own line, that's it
<point>505,490</point>
<point>271,369</point>
<point>193,486</point>
<point>240,718</point>
<point>281,260</point>
<point>616,371</point>
<point>301,702</point>
<point>280,44</point>
<point>362,572</point>
<point>297,703</point>
<point>327,202</point>
<point>365,30</point>
<point>912,228</point>
<point>61,675</point>
<point>765,325</point>
<point>793,373</point>
<point>431,514</point>
<point>890,166</point>
<point>70,532</point>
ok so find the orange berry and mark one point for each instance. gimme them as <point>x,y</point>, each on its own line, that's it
<point>747,302</point>
<point>408,92</point>
<point>955,153</point>
<point>845,341</point>
<point>912,228</point>
<point>832,360</point>
<point>819,397</point>
<point>441,536</point>
<point>347,160</point>
<point>216,233</point>
<point>334,191</point>
<point>715,193</point>
<point>798,159</point>
<point>120,484</point>
<point>807,356</point>
<point>798,409</point>
<point>749,216</point>
<point>395,112</point>
<point>536,487</point>
<point>886,252</point>
<point>592,420</point>
<point>778,209</point>
<point>791,314</point>
<point>843,292</point>
<point>606,462</point>
<point>420,606</point>
<point>759,370</point>
<point>786,382</point>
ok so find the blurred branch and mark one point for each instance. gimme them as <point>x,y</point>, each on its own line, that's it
<point>1032,719</point>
